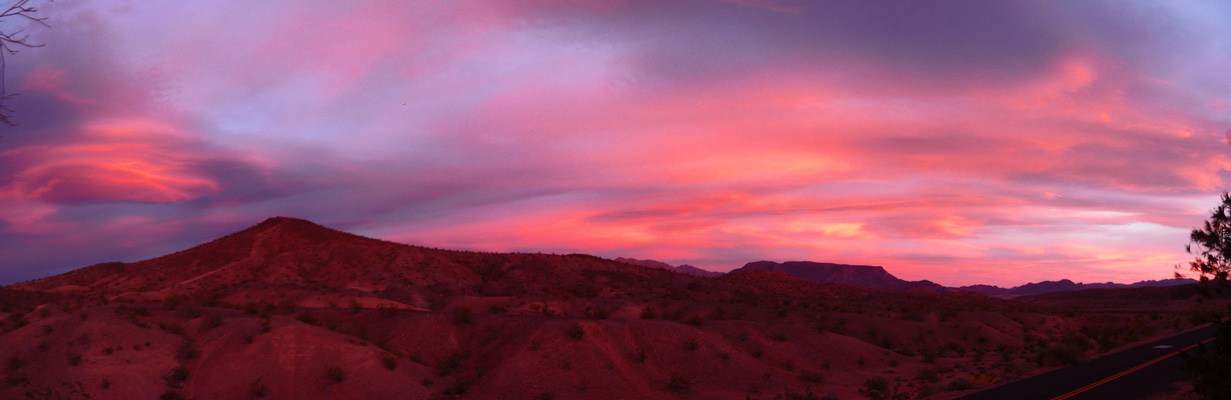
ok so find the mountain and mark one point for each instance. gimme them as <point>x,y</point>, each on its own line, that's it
<point>293,261</point>
<point>856,275</point>
<point>288,309</point>
<point>1065,285</point>
<point>683,269</point>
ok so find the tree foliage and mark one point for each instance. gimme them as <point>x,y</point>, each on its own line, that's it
<point>1211,247</point>
<point>1211,244</point>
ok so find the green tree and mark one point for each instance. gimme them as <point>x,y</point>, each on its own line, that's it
<point>1211,247</point>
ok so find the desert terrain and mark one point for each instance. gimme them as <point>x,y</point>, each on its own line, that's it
<point>288,309</point>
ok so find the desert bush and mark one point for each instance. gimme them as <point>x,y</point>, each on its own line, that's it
<point>931,375</point>
<point>692,344</point>
<point>812,376</point>
<point>696,320</point>
<point>649,313</point>
<point>463,316</point>
<point>958,384</point>
<point>171,303</point>
<point>497,309</point>
<point>1060,354</point>
<point>450,363</point>
<point>258,388</point>
<point>679,383</point>
<point>389,361</point>
<point>596,312</point>
<point>927,390</point>
<point>173,328</point>
<point>877,384</point>
<point>212,321</point>
<point>575,331</point>
<point>16,361</point>
<point>171,395</point>
<point>74,357</point>
<point>308,318</point>
<point>188,351</point>
<point>641,356</point>
<point>335,374</point>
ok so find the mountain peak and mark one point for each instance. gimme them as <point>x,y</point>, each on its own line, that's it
<point>855,275</point>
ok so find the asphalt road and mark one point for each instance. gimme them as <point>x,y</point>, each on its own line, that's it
<point>1122,374</point>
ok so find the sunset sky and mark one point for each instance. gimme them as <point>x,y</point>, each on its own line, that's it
<point>958,141</point>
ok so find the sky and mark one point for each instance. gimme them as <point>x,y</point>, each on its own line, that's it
<point>962,142</point>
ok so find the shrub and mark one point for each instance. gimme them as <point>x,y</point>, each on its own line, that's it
<point>960,384</point>
<point>928,375</point>
<point>177,377</point>
<point>389,361</point>
<point>878,384</point>
<point>450,363</point>
<point>1060,354</point>
<point>575,331</point>
<point>812,376</point>
<point>692,344</point>
<point>16,361</point>
<point>696,319</point>
<point>679,383</point>
<point>463,316</point>
<point>74,357</point>
<point>171,395</point>
<point>335,374</point>
<point>258,388</point>
<point>212,321</point>
<point>596,312</point>
<point>308,318</point>
<point>649,313</point>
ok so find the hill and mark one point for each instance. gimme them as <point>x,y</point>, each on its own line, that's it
<point>856,275</point>
<point>683,269</point>
<point>288,309</point>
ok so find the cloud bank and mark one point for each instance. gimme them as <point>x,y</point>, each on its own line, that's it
<point>964,142</point>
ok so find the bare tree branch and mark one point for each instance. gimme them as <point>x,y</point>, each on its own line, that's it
<point>9,43</point>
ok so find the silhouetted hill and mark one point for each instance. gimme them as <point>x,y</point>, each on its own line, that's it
<point>683,269</point>
<point>1065,285</point>
<point>856,275</point>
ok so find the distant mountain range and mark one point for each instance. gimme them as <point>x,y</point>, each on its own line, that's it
<point>877,277</point>
<point>1065,285</point>
<point>683,269</point>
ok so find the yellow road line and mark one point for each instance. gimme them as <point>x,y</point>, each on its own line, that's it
<point>1128,371</point>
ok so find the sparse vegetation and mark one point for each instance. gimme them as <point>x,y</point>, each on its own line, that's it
<point>463,316</point>
<point>679,383</point>
<point>389,361</point>
<point>335,374</point>
<point>258,389</point>
<point>575,331</point>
